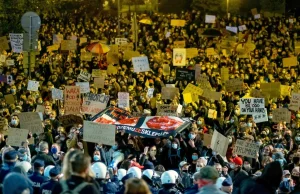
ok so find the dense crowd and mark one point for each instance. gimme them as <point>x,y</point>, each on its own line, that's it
<point>58,160</point>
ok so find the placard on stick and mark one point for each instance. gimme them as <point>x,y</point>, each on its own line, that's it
<point>99,82</point>
<point>99,133</point>
<point>273,89</point>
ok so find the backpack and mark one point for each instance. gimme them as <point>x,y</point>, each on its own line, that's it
<point>76,190</point>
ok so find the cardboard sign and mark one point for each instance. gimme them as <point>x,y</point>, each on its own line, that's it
<point>94,103</point>
<point>191,52</point>
<point>82,40</point>
<point>150,92</point>
<point>123,100</point>
<point>68,45</point>
<point>262,117</point>
<point>179,44</point>
<point>112,58</point>
<point>121,41</point>
<point>16,136</point>
<point>99,133</point>
<point>197,72</point>
<point>204,83</point>
<point>84,76</point>
<point>57,94</point>
<point>70,120</point>
<point>3,43</point>
<point>57,38</point>
<point>207,139</point>
<point>84,87</point>
<point>246,148</point>
<point>140,64</point>
<point>185,74</point>
<point>290,62</point>
<point>256,93</point>
<point>234,85</point>
<point>210,51</point>
<point>212,114</point>
<point>295,102</point>
<point>126,47</point>
<point>72,94</point>
<point>180,23</point>
<point>2,58</point>
<point>86,56</point>
<point>169,93</point>
<point>10,99</point>
<point>285,90</point>
<point>281,115</point>
<point>112,70</point>
<point>10,62</point>
<point>219,143</point>
<point>242,28</point>
<point>16,42</point>
<point>190,88</point>
<point>40,108</point>
<point>250,106</point>
<point>187,97</point>
<point>166,110</point>
<point>254,11</point>
<point>273,89</point>
<point>232,29</point>
<point>31,121</point>
<point>99,82</point>
<point>114,49</point>
<point>129,54</point>
<point>257,16</point>
<point>210,19</point>
<point>212,95</point>
<point>224,74</point>
<point>33,86</point>
<point>179,57</point>
<point>52,48</point>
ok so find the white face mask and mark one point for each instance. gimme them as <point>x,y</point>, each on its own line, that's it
<point>198,169</point>
<point>175,146</point>
<point>286,179</point>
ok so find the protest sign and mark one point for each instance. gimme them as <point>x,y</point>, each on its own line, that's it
<point>256,93</point>
<point>185,74</point>
<point>290,62</point>
<point>85,76</point>
<point>57,94</point>
<point>224,74</point>
<point>123,100</point>
<point>179,44</point>
<point>257,16</point>
<point>250,106</point>
<point>232,29</point>
<point>210,51</point>
<point>281,115</point>
<point>86,56</point>
<point>57,38</point>
<point>219,143</point>
<point>2,58</point>
<point>94,103</point>
<point>246,148</point>
<point>52,48</point>
<point>191,52</point>
<point>126,47</point>
<point>262,117</point>
<point>273,89</point>
<point>112,58</point>
<point>212,114</point>
<point>190,88</point>
<point>16,42</point>
<point>254,11</point>
<point>40,108</point>
<point>99,133</point>
<point>140,64</point>
<point>112,70</point>
<point>285,90</point>
<point>68,45</point>
<point>166,69</point>
<point>99,82</point>
<point>97,73</point>
<point>84,87</point>
<point>187,97</point>
<point>211,19</point>
<point>150,92</point>
<point>72,94</point>
<point>31,121</point>
<point>207,139</point>
<point>197,72</point>
<point>295,102</point>
<point>203,82</point>
<point>121,41</point>
<point>242,28</point>
<point>129,54</point>
<point>114,49</point>
<point>169,93</point>
<point>33,86</point>
<point>234,85</point>
<point>166,110</point>
<point>70,120</point>
<point>179,57</point>
<point>212,95</point>
<point>10,99</point>
<point>3,43</point>
<point>82,40</point>
<point>180,23</point>
<point>16,136</point>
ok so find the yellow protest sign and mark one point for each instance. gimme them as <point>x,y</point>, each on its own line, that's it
<point>179,44</point>
<point>111,69</point>
<point>129,54</point>
<point>273,89</point>
<point>187,97</point>
<point>68,45</point>
<point>3,43</point>
<point>166,69</point>
<point>180,23</point>
<point>190,88</point>
<point>191,52</point>
<point>169,93</point>
<point>285,90</point>
<point>114,49</point>
<point>112,58</point>
<point>290,62</point>
<point>86,56</point>
<point>234,85</point>
<point>224,74</point>
<point>212,95</point>
<point>212,114</point>
<point>82,40</point>
<point>52,48</point>
<point>126,47</point>
<point>210,51</point>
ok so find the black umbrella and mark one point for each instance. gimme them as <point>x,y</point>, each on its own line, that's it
<point>211,32</point>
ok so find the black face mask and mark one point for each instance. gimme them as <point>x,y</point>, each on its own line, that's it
<point>296,160</point>
<point>130,146</point>
<point>275,141</point>
<point>263,135</point>
<point>287,137</point>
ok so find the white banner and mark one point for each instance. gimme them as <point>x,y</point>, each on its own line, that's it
<point>16,42</point>
<point>211,19</point>
<point>140,64</point>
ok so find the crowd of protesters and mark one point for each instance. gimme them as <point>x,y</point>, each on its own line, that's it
<point>58,160</point>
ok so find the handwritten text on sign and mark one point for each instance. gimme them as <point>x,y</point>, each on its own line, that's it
<point>140,64</point>
<point>94,103</point>
<point>250,106</point>
<point>123,100</point>
<point>16,136</point>
<point>245,148</point>
<point>99,133</point>
<point>261,117</point>
<point>16,42</point>
<point>31,121</point>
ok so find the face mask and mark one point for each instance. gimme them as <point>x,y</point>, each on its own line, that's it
<point>96,158</point>
<point>270,117</point>
<point>249,124</point>
<point>51,118</point>
<point>287,137</point>
<point>13,90</point>
<point>114,147</point>
<point>297,138</point>
<point>231,166</point>
<point>174,146</point>
<point>54,150</point>
<point>130,146</point>
<point>286,179</point>
<point>194,157</point>
<point>281,161</point>
<point>14,122</point>
<point>198,169</point>
<point>247,166</point>
<point>191,136</point>
<point>199,122</point>
<point>24,158</point>
<point>62,139</point>
<point>37,149</point>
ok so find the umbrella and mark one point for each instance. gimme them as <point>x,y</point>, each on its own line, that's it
<point>211,32</point>
<point>98,48</point>
<point>146,21</point>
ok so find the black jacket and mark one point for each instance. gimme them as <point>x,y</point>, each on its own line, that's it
<point>48,160</point>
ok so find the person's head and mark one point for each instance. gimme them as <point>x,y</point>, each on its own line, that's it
<point>23,155</point>
<point>14,121</point>
<point>55,149</point>
<point>67,170</point>
<point>227,186</point>
<point>207,176</point>
<point>10,155</point>
<point>152,151</point>
<point>296,175</point>
<point>238,162</point>
<point>96,156</point>
<point>266,160</point>
<point>296,158</point>
<point>136,186</point>
<point>43,147</point>
<point>218,167</point>
<point>38,166</point>
<point>80,164</point>
<point>16,183</point>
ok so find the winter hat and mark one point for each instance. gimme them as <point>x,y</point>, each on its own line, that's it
<point>15,183</point>
<point>227,182</point>
<point>238,161</point>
